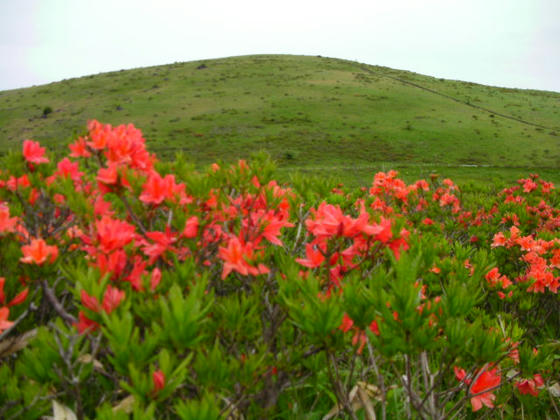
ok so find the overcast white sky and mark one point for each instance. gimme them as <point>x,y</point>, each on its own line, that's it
<point>512,43</point>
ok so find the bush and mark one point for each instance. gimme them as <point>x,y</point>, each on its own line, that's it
<point>136,288</point>
<point>46,111</point>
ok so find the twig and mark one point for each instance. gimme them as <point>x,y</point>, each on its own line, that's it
<point>341,395</point>
<point>380,379</point>
<point>132,214</point>
<point>51,297</point>
<point>20,318</point>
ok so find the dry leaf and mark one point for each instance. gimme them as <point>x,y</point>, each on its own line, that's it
<point>360,397</point>
<point>234,413</point>
<point>364,398</point>
<point>125,405</point>
<point>61,412</point>
<point>87,358</point>
<point>372,390</point>
<point>14,344</point>
<point>554,390</point>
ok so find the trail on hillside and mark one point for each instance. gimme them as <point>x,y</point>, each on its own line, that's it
<point>406,165</point>
<point>444,95</point>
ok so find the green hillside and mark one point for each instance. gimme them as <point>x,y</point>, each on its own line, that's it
<point>318,114</point>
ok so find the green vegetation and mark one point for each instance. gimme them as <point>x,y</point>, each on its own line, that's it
<point>320,115</point>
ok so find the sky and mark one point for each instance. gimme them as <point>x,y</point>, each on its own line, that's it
<point>508,43</point>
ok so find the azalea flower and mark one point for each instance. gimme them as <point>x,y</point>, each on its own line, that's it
<point>487,380</point>
<point>530,386</point>
<point>314,256</point>
<point>85,325</point>
<point>112,298</point>
<point>237,257</point>
<point>4,323</point>
<point>38,252</point>
<point>79,148</point>
<point>90,302</point>
<point>7,223</point>
<point>33,152</point>
<point>157,189</point>
<point>158,378</point>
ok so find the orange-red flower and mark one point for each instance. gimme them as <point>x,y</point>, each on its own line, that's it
<point>38,252</point>
<point>191,227</point>
<point>4,323</point>
<point>7,223</point>
<point>157,189</point>
<point>14,183</point>
<point>530,386</point>
<point>79,148</point>
<point>85,325</point>
<point>359,335</point>
<point>19,298</point>
<point>108,176</point>
<point>33,152</point>
<point>68,169</point>
<point>158,378</point>
<point>486,380</point>
<point>314,256</point>
<point>238,256</point>
<point>90,302</point>
<point>113,234</point>
<point>112,298</point>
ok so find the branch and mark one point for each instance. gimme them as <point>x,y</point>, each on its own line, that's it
<point>20,318</point>
<point>132,214</point>
<point>51,297</point>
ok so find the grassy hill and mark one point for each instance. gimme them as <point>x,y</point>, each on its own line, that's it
<point>317,114</point>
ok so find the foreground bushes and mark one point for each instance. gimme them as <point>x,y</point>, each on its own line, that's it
<point>130,288</point>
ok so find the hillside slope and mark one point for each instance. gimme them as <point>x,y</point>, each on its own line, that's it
<point>307,112</point>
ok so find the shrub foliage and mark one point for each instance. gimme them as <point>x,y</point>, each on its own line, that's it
<point>132,288</point>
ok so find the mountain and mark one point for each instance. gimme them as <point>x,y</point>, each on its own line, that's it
<point>319,114</point>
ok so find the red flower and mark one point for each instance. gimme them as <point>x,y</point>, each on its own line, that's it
<point>272,224</point>
<point>314,256</point>
<point>85,325</point>
<point>14,183</point>
<point>102,207</point>
<point>155,279</point>
<point>530,386</point>
<point>68,169</point>
<point>7,223</point>
<point>79,148</point>
<point>486,380</point>
<point>359,335</point>
<point>191,227</point>
<point>33,152</point>
<point>460,374</point>
<point>238,256</point>
<point>162,243</point>
<point>108,175</point>
<point>90,302</point>
<point>112,298</point>
<point>112,176</point>
<point>113,234</point>
<point>157,189</point>
<point>38,252</point>
<point>374,328</point>
<point>4,323</point>
<point>346,323</point>
<point>19,298</point>
<point>158,378</point>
